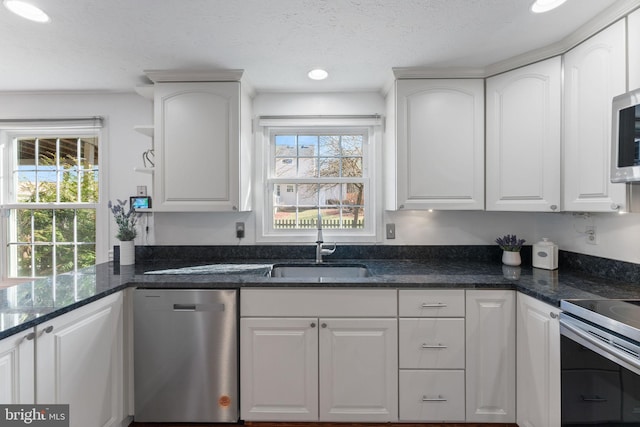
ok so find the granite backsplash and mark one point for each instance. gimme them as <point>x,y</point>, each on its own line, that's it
<point>568,261</point>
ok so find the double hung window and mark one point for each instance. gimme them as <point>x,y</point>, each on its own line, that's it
<point>319,176</point>
<point>50,194</point>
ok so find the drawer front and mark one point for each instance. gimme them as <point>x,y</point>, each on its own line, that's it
<point>324,302</point>
<point>431,303</point>
<point>432,343</point>
<point>432,396</point>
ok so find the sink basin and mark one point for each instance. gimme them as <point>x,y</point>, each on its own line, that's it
<point>319,270</point>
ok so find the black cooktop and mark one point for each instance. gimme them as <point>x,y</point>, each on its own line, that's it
<point>620,316</point>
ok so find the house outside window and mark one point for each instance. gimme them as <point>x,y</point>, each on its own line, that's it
<point>49,199</point>
<point>327,174</point>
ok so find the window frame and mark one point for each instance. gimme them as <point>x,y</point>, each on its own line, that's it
<point>8,157</point>
<point>371,127</point>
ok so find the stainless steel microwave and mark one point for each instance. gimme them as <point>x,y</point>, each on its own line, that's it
<point>625,137</point>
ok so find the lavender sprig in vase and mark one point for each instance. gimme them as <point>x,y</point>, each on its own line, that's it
<point>510,245</point>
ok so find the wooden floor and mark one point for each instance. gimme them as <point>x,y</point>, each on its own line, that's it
<point>270,424</point>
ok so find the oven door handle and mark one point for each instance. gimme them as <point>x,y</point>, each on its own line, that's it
<point>605,349</point>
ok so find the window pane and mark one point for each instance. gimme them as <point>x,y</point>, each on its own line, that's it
<point>86,255</point>
<point>307,195</point>
<point>86,225</point>
<point>354,194</point>
<point>307,145</point>
<point>42,225</point>
<point>352,145</point>
<point>330,167</point>
<point>65,258</point>
<point>69,153</point>
<point>286,167</point>
<point>89,186</point>
<point>353,217</point>
<point>24,256</point>
<point>330,146</point>
<point>352,167</point>
<point>43,257</point>
<point>285,145</point>
<point>307,167</point>
<point>64,225</point>
<point>89,152</point>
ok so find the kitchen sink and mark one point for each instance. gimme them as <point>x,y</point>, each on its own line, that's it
<point>320,270</point>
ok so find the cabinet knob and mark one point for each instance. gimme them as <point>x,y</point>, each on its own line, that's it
<point>615,207</point>
<point>30,336</point>
<point>553,207</point>
<point>324,325</point>
<point>313,325</point>
<point>553,315</point>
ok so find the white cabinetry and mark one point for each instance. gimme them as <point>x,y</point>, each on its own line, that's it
<point>523,138</point>
<point>439,156</point>
<point>16,368</point>
<point>202,143</point>
<point>491,356</point>
<point>538,361</point>
<point>594,72</point>
<point>432,355</point>
<point>79,362</point>
<point>633,49</point>
<point>303,359</point>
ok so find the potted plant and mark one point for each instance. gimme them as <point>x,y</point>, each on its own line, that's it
<point>126,221</point>
<point>510,245</point>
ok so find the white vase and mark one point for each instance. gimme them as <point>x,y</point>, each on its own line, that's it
<point>511,258</point>
<point>127,252</point>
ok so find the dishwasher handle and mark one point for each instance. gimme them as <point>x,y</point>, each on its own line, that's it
<point>198,307</point>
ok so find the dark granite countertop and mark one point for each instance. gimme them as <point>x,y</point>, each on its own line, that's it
<point>29,304</point>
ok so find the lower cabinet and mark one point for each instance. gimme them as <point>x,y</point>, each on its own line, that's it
<point>326,369</point>
<point>538,362</point>
<point>16,368</point>
<point>73,359</point>
<point>318,368</point>
<point>432,355</point>
<point>491,356</point>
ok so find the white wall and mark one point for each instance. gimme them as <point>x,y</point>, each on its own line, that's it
<point>617,234</point>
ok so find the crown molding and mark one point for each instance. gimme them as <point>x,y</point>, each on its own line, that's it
<point>401,73</point>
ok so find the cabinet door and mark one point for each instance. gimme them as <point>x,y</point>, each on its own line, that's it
<point>523,139</point>
<point>491,356</point>
<point>279,369</point>
<point>197,146</point>
<point>17,369</point>
<point>358,370</point>
<point>432,395</point>
<point>594,72</point>
<point>79,362</point>
<point>440,144</point>
<point>538,375</point>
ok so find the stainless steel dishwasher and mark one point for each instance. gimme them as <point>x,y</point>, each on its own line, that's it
<point>186,355</point>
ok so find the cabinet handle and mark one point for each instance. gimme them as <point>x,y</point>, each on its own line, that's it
<point>615,207</point>
<point>553,315</point>
<point>434,346</point>
<point>434,399</point>
<point>592,398</point>
<point>47,330</point>
<point>554,207</point>
<point>324,325</point>
<point>313,325</point>
<point>433,305</point>
<point>30,336</point>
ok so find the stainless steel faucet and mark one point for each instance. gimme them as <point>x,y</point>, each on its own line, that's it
<point>321,249</point>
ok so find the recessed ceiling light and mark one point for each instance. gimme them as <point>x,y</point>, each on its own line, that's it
<point>26,10</point>
<point>540,6</point>
<point>318,74</point>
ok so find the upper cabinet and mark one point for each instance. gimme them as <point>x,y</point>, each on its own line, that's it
<point>594,72</point>
<point>523,138</point>
<point>438,161</point>
<point>202,135</point>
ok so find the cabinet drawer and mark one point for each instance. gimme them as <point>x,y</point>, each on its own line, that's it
<point>432,396</point>
<point>431,303</point>
<point>318,302</point>
<point>432,343</point>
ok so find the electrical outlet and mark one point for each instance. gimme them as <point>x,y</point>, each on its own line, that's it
<point>592,237</point>
<point>391,231</point>
<point>240,230</point>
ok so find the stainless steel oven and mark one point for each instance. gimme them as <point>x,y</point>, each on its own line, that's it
<point>600,362</point>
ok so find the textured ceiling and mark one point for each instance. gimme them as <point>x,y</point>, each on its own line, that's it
<point>106,44</point>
